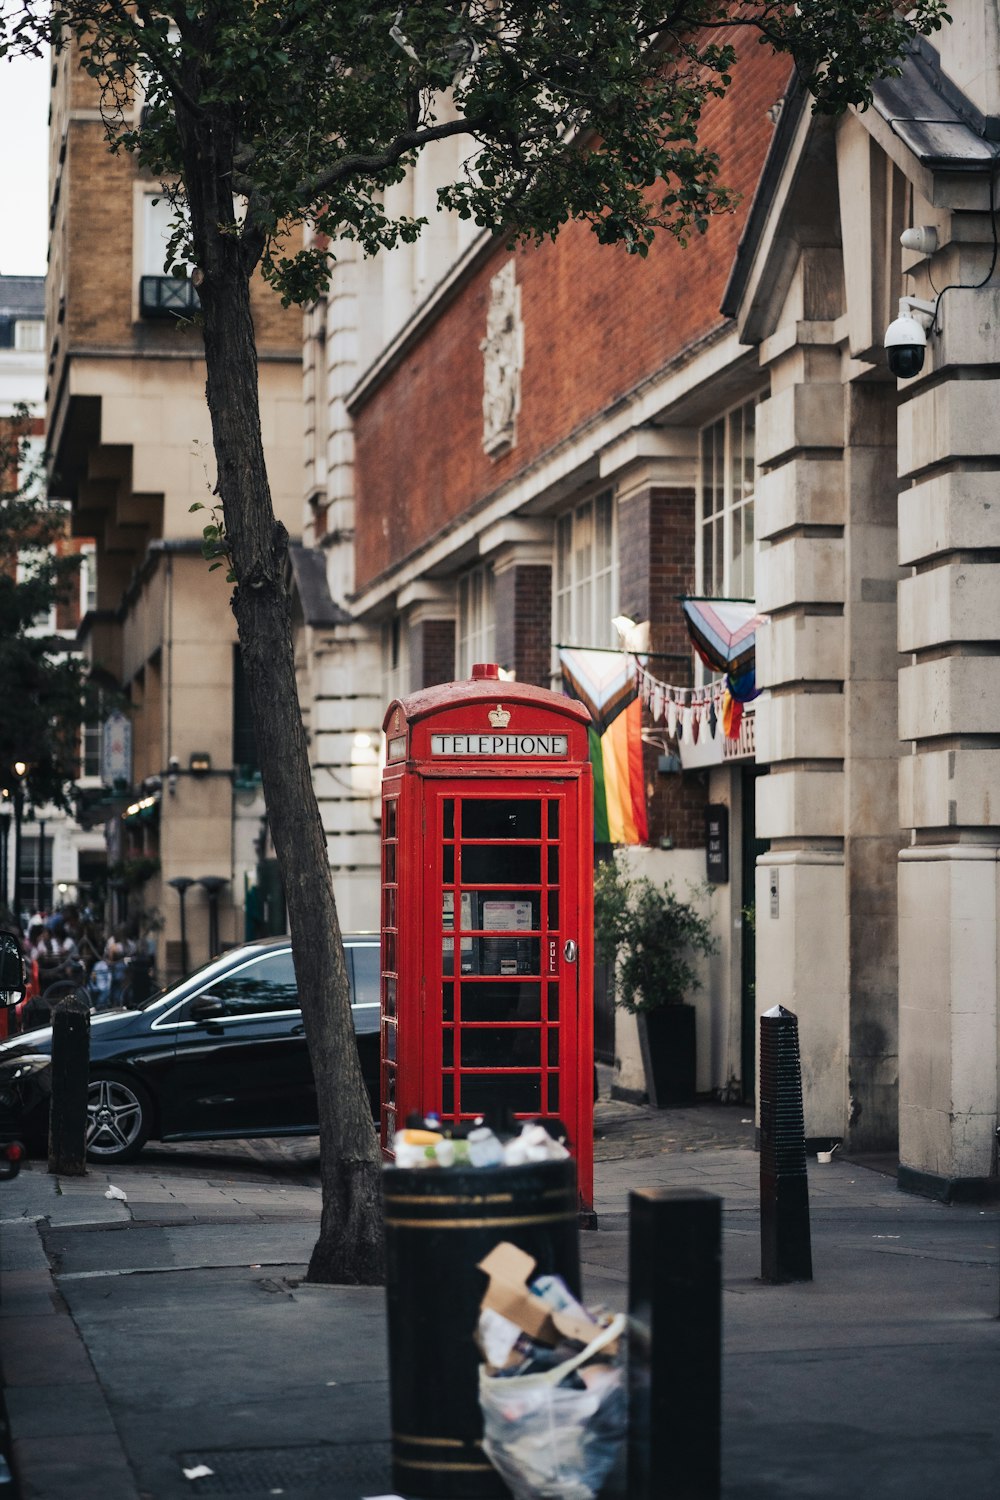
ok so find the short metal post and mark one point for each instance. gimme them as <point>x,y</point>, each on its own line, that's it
<point>675,1345</point>
<point>785,1246</point>
<point>70,1084</point>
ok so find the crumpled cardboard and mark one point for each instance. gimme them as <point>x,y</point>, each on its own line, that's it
<point>509,1270</point>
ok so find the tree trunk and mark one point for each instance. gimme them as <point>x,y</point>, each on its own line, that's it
<point>350,1246</point>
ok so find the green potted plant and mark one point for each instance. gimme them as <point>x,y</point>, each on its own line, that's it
<point>653,937</point>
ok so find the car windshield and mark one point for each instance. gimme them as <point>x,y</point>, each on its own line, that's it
<point>365,973</point>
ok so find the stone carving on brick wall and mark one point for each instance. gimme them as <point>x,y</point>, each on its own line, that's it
<point>503,356</point>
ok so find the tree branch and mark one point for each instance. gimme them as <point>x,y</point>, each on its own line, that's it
<point>146,39</point>
<point>354,166</point>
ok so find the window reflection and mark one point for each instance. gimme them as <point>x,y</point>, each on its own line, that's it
<point>258,988</point>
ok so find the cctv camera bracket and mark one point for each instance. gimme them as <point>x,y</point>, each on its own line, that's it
<point>920,311</point>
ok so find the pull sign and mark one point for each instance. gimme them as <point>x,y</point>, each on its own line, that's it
<point>570,951</point>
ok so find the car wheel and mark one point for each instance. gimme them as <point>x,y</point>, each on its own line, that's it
<point>119,1117</point>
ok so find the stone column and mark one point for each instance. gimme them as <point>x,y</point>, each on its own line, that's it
<point>949,626</point>
<point>871,797</point>
<point>339,669</point>
<point>802,950</point>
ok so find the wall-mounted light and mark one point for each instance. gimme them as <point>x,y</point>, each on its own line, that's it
<point>633,637</point>
<point>200,763</point>
<point>144,805</point>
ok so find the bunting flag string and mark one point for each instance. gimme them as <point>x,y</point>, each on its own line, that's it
<point>687,713</point>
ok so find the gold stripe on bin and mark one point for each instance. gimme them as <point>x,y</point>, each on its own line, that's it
<point>442,1442</point>
<point>559,1192</point>
<point>479,1223</point>
<point>441,1466</point>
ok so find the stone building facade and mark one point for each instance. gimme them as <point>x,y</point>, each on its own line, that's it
<point>633,442</point>
<point>131,452</point>
<point>505,456</point>
<point>878,899</point>
<point>55,861</point>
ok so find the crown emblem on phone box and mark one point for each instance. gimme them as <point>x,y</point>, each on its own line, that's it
<point>499,716</point>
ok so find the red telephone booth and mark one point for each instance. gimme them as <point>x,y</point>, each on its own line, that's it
<point>487,909</point>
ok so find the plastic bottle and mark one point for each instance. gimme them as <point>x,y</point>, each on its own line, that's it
<point>484,1148</point>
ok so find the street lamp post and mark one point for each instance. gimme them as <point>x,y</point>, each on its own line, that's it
<point>5,815</point>
<point>19,772</point>
<point>212,884</point>
<point>182,884</point>
<point>38,903</point>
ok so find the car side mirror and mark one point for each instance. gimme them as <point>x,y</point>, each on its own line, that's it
<point>206,1008</point>
<point>13,971</point>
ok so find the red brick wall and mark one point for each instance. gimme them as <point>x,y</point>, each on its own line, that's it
<point>596,322</point>
<point>522,606</point>
<point>432,653</point>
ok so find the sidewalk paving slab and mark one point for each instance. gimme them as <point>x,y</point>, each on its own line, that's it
<point>141,1338</point>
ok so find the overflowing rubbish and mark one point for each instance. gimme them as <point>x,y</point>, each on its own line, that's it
<point>428,1143</point>
<point>552,1385</point>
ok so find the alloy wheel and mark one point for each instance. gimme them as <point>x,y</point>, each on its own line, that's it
<point>114,1118</point>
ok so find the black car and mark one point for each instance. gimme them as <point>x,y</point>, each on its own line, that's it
<point>222,1054</point>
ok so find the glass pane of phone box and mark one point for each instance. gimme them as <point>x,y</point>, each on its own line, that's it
<point>484,818</point>
<point>521,1093</point>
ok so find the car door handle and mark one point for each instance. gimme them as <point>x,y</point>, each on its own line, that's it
<point>299,1030</point>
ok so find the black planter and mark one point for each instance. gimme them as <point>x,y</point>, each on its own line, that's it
<point>667,1035</point>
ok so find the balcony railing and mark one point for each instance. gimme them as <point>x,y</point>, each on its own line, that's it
<point>167,297</point>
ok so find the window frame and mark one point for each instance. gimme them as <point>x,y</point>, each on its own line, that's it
<point>395,653</point>
<point>579,585</point>
<point>29,335</point>
<point>476,620</point>
<point>719,579</point>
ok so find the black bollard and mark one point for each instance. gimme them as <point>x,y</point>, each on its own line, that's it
<point>785,1247</point>
<point>675,1345</point>
<point>70,1082</point>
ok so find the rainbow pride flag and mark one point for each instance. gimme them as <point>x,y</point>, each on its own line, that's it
<point>605,682</point>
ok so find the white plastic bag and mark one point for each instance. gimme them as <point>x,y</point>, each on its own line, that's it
<point>551,1442</point>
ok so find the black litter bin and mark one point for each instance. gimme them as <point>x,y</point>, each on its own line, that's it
<point>439,1224</point>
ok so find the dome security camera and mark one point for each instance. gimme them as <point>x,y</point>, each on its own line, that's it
<point>922,240</point>
<point>906,337</point>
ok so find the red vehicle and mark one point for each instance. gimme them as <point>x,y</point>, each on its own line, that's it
<point>16,980</point>
<point>12,1014</point>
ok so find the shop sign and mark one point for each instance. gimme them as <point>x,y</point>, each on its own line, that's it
<point>717,843</point>
<point>116,750</point>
